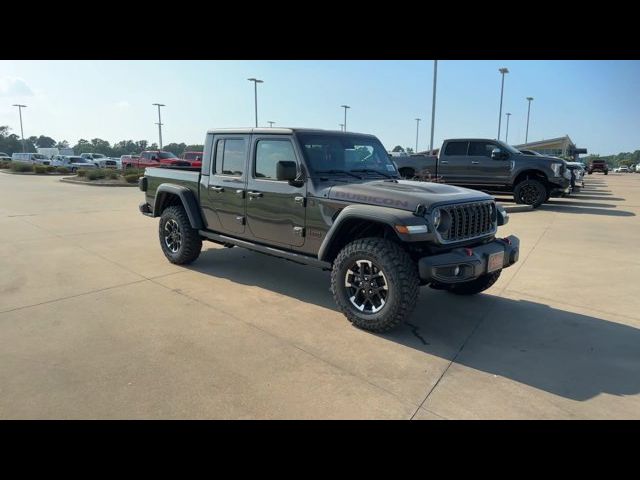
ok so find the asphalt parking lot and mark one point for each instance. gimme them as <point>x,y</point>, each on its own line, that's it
<point>96,323</point>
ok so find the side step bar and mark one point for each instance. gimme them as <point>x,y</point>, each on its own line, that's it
<point>275,252</point>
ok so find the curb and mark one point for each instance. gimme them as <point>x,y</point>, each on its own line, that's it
<point>77,182</point>
<point>33,174</point>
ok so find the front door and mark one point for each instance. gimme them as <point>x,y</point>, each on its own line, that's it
<point>483,169</point>
<point>226,188</point>
<point>275,209</point>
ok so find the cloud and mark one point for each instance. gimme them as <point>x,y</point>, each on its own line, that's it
<point>123,105</point>
<point>14,87</point>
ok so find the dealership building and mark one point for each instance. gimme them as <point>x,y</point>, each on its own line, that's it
<point>555,147</point>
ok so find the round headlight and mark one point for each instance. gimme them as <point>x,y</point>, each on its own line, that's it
<point>436,218</point>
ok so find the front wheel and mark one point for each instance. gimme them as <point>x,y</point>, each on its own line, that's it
<point>530,192</point>
<point>374,283</point>
<point>478,285</point>
<point>180,243</point>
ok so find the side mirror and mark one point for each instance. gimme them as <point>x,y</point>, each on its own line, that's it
<point>498,154</point>
<point>286,170</point>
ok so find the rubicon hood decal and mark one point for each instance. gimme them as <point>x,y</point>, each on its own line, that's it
<point>404,194</point>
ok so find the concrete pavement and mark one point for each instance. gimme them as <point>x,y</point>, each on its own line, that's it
<point>95,323</point>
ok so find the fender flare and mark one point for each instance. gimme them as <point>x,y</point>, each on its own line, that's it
<point>385,215</point>
<point>187,198</point>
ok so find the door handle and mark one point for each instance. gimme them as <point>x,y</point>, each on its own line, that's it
<point>443,162</point>
<point>240,192</point>
<point>475,163</point>
<point>216,189</point>
<point>254,195</point>
<point>299,200</point>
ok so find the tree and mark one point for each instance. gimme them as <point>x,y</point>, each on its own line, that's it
<point>397,148</point>
<point>194,148</point>
<point>409,150</point>
<point>175,148</point>
<point>45,142</point>
<point>62,144</point>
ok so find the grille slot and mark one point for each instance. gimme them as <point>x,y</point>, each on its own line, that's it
<point>468,221</point>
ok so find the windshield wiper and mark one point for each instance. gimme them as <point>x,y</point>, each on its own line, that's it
<point>345,172</point>
<point>371,170</point>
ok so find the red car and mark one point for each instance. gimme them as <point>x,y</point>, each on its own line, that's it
<point>154,158</point>
<point>195,158</point>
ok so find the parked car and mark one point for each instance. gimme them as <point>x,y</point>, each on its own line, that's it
<point>577,171</point>
<point>155,158</point>
<point>128,159</point>
<point>598,166</point>
<point>30,158</point>
<point>333,200</point>
<point>495,167</point>
<point>76,163</point>
<point>96,158</point>
<point>195,158</point>
<point>4,157</point>
<point>623,169</point>
<point>638,168</point>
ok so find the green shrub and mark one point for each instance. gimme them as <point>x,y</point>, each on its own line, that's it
<point>50,169</point>
<point>132,177</point>
<point>39,169</point>
<point>5,164</point>
<point>112,175</point>
<point>82,173</point>
<point>62,170</point>
<point>97,174</point>
<point>21,167</point>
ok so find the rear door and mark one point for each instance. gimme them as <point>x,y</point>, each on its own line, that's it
<point>484,170</point>
<point>275,209</point>
<point>454,163</point>
<point>227,182</point>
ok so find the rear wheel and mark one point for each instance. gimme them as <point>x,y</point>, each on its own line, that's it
<point>530,192</point>
<point>375,284</point>
<point>180,243</point>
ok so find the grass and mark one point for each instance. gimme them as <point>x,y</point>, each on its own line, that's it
<point>39,169</point>
<point>132,177</point>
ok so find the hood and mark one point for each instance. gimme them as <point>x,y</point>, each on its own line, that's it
<point>404,194</point>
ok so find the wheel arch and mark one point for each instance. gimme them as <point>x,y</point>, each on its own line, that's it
<point>360,221</point>
<point>168,195</point>
<point>531,173</point>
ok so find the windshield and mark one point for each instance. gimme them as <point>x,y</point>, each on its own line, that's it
<point>326,152</point>
<point>508,148</point>
<point>166,155</point>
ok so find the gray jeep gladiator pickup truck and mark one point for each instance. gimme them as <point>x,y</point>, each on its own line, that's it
<point>494,167</point>
<point>333,200</point>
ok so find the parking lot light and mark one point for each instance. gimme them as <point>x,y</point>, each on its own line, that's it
<point>503,71</point>
<point>20,107</point>
<point>345,115</point>
<point>159,123</point>
<point>506,135</point>
<point>270,123</point>
<point>526,135</point>
<point>255,95</point>
<point>417,130</point>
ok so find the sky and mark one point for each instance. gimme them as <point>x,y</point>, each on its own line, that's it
<point>597,103</point>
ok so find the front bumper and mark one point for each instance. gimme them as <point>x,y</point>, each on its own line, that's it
<point>470,263</point>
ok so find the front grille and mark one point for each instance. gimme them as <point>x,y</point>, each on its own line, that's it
<point>468,221</point>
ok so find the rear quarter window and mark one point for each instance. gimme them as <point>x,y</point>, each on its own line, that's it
<point>456,148</point>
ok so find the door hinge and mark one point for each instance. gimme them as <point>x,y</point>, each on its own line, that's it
<point>298,231</point>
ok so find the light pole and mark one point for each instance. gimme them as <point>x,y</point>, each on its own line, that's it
<point>341,127</point>
<point>345,116</point>
<point>502,71</point>
<point>433,104</point>
<point>526,135</point>
<point>270,123</point>
<point>506,135</point>
<point>255,94</point>
<point>159,123</point>
<point>417,130</point>
<point>20,107</point>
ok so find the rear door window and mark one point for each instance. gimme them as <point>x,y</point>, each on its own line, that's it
<point>456,148</point>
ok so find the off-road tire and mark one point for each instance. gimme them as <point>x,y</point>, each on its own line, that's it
<point>190,244</point>
<point>478,285</point>
<point>521,196</point>
<point>401,275</point>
